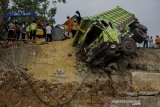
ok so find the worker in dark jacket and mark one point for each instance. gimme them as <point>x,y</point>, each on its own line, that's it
<point>145,42</point>
<point>79,18</point>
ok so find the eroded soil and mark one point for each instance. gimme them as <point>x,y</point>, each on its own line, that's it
<point>51,75</point>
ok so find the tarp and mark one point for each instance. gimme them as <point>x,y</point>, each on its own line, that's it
<point>58,34</point>
<point>19,14</point>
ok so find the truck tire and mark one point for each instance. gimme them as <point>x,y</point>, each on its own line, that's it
<point>135,38</point>
<point>128,45</point>
<point>132,25</point>
<point>99,50</point>
<point>140,26</point>
<point>139,34</point>
<point>80,53</point>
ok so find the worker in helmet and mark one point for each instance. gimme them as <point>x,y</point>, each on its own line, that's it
<point>28,30</point>
<point>69,23</point>
<point>74,27</point>
<point>33,28</point>
<point>157,40</point>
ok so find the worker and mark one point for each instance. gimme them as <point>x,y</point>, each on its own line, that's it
<point>39,22</point>
<point>69,23</point>
<point>18,30</point>
<point>48,33</point>
<point>28,29</point>
<point>23,31</point>
<point>157,40</point>
<point>145,42</point>
<point>150,41</point>
<point>11,30</point>
<point>79,18</point>
<point>33,27</point>
<point>74,27</point>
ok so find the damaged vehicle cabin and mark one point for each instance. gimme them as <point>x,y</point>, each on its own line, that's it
<point>108,35</point>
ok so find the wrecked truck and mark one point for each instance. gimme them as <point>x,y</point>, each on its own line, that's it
<point>108,35</point>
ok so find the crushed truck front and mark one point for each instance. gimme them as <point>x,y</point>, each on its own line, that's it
<point>107,36</point>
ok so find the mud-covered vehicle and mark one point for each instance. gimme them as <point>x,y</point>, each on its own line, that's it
<point>108,36</point>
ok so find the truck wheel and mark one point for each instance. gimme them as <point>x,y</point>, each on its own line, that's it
<point>80,53</point>
<point>135,38</point>
<point>140,26</point>
<point>139,34</point>
<point>128,45</point>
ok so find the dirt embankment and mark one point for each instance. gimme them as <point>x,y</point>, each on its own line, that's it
<point>54,59</point>
<point>145,60</point>
<point>55,76</point>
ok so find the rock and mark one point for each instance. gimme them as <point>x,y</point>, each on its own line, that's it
<point>25,68</point>
<point>132,94</point>
<point>69,55</point>
<point>62,76</point>
<point>80,70</point>
<point>46,99</point>
<point>84,68</point>
<point>1,82</point>
<point>113,66</point>
<point>63,98</point>
<point>142,81</point>
<point>60,71</point>
<point>138,66</point>
<point>131,66</point>
<point>113,72</point>
<point>99,93</point>
<point>41,89</point>
<point>108,69</point>
<point>34,53</point>
<point>143,93</point>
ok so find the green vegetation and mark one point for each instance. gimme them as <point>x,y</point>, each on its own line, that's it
<point>3,9</point>
<point>46,9</point>
<point>41,7</point>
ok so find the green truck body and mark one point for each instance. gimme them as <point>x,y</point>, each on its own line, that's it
<point>109,35</point>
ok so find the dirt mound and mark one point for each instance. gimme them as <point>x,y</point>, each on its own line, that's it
<point>55,60</point>
<point>54,75</point>
<point>145,60</point>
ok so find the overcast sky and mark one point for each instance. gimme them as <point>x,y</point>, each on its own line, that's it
<point>147,11</point>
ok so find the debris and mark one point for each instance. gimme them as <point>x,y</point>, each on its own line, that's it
<point>132,94</point>
<point>142,93</point>
<point>69,54</point>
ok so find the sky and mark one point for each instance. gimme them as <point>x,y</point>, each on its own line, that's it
<point>147,11</point>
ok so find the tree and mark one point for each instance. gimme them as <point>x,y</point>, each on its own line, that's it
<point>64,1</point>
<point>41,7</point>
<point>3,9</point>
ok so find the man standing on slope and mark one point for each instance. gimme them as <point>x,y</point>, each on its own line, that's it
<point>69,24</point>
<point>48,32</point>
